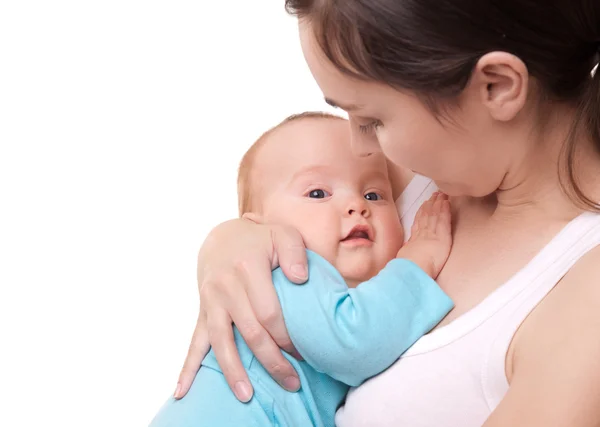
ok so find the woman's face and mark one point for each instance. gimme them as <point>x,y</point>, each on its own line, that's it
<point>466,155</point>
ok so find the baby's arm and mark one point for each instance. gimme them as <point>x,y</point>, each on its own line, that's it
<point>353,334</point>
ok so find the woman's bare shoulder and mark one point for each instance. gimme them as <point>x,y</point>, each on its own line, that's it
<point>569,312</point>
<point>555,358</point>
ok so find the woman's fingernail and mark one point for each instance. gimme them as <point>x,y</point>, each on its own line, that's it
<point>299,271</point>
<point>291,383</point>
<point>243,391</point>
<point>177,391</point>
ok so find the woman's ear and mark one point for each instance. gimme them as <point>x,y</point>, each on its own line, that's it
<point>254,217</point>
<point>502,81</point>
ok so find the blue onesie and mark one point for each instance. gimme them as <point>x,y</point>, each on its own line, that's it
<point>344,335</point>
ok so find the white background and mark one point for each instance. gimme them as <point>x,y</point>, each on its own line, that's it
<point>121,126</point>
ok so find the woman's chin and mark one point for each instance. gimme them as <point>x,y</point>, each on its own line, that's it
<point>462,190</point>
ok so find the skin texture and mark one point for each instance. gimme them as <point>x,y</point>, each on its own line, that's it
<point>312,157</point>
<point>499,161</point>
<point>306,176</point>
<point>497,148</point>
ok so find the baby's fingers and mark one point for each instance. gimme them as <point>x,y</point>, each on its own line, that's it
<point>444,224</point>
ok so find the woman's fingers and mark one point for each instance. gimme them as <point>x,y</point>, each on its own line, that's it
<point>198,349</point>
<point>234,276</point>
<point>290,253</point>
<point>260,321</point>
<point>264,348</point>
<point>267,308</point>
<point>220,332</point>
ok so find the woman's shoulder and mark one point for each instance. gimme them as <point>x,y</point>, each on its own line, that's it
<point>566,322</point>
<point>557,347</point>
<point>578,292</point>
<point>579,288</point>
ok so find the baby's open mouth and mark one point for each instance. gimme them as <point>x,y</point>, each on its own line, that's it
<point>359,232</point>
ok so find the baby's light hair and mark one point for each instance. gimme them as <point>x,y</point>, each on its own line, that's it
<point>246,202</point>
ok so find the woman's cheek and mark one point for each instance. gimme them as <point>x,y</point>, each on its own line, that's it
<point>395,148</point>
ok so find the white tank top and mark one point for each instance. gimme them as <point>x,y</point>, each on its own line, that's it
<point>455,376</point>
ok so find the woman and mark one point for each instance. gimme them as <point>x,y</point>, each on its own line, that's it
<point>495,103</point>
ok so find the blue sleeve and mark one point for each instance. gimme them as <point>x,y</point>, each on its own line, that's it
<point>354,334</point>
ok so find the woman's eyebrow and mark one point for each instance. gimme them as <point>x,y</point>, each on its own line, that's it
<point>336,104</point>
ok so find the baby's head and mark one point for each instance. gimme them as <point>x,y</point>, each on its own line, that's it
<point>303,173</point>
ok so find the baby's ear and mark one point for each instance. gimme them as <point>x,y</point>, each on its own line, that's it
<point>254,217</point>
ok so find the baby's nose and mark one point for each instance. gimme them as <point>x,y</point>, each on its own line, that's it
<point>358,207</point>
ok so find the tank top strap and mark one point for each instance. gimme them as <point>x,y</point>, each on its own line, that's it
<point>417,192</point>
<point>579,237</point>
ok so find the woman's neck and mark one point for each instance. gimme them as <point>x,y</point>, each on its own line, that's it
<point>533,188</point>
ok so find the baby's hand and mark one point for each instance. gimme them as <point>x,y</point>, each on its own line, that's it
<point>431,236</point>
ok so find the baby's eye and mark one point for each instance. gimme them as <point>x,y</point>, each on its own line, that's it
<point>318,194</point>
<point>372,196</point>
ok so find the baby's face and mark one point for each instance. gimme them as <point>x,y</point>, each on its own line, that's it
<point>341,204</point>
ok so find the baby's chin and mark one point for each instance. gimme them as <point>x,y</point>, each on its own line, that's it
<point>355,273</point>
<point>357,265</point>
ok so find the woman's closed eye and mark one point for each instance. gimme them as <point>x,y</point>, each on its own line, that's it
<point>370,127</point>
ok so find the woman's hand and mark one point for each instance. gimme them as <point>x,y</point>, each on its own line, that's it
<point>234,279</point>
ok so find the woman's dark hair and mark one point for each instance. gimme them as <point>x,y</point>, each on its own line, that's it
<point>432,46</point>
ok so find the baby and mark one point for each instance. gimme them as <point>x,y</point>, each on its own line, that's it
<point>368,297</point>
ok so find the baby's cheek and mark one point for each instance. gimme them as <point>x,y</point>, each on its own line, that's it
<point>393,234</point>
<point>399,241</point>
<point>319,240</point>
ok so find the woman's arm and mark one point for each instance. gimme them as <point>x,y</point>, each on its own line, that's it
<point>234,279</point>
<point>555,377</point>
